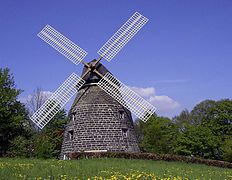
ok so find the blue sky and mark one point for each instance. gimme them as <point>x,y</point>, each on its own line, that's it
<point>182,56</point>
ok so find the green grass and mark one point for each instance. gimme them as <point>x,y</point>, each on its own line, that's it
<point>107,169</point>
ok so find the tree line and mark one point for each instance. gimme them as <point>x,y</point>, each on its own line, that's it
<point>204,132</point>
<point>18,135</point>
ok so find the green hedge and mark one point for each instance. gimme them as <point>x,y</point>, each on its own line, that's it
<point>150,156</point>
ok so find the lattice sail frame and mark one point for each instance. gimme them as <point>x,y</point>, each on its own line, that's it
<point>62,44</point>
<point>57,100</point>
<point>126,97</point>
<point>122,36</point>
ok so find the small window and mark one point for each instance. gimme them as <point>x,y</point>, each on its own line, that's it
<point>121,114</point>
<point>125,132</point>
<point>65,157</point>
<point>73,116</point>
<point>70,135</point>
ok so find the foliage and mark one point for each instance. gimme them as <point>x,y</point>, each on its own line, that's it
<point>42,144</point>
<point>200,112</point>
<point>13,115</point>
<point>21,146</point>
<point>183,120</point>
<point>26,140</point>
<point>197,141</point>
<point>204,132</point>
<point>219,118</point>
<point>45,147</point>
<point>49,140</point>
<point>107,168</point>
<point>150,156</point>
<point>158,135</point>
<point>227,150</point>
<point>207,127</point>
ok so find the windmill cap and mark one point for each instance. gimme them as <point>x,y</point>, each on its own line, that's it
<point>92,77</point>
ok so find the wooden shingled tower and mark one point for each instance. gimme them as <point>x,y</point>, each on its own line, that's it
<point>100,117</point>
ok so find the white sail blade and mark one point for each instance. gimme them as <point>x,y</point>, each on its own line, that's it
<point>57,100</point>
<point>62,44</point>
<point>126,97</point>
<point>122,36</point>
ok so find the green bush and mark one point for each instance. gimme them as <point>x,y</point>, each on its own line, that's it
<point>44,147</point>
<point>150,156</point>
<point>227,150</point>
<point>20,146</point>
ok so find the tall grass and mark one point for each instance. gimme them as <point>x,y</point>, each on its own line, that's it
<point>107,169</point>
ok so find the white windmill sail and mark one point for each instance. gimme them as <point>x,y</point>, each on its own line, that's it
<point>126,97</point>
<point>62,44</point>
<point>122,36</point>
<point>57,100</point>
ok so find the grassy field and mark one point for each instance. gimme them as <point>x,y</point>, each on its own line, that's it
<point>107,169</point>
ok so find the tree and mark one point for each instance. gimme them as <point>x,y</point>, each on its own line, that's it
<point>22,146</point>
<point>13,115</point>
<point>207,130</point>
<point>198,141</point>
<point>139,128</point>
<point>47,142</point>
<point>200,112</point>
<point>50,138</point>
<point>219,118</point>
<point>227,149</point>
<point>36,100</point>
<point>158,135</point>
<point>41,144</point>
<point>183,120</point>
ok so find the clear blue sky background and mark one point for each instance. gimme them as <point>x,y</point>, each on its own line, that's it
<point>184,51</point>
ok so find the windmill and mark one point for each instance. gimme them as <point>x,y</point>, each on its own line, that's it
<point>100,117</point>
